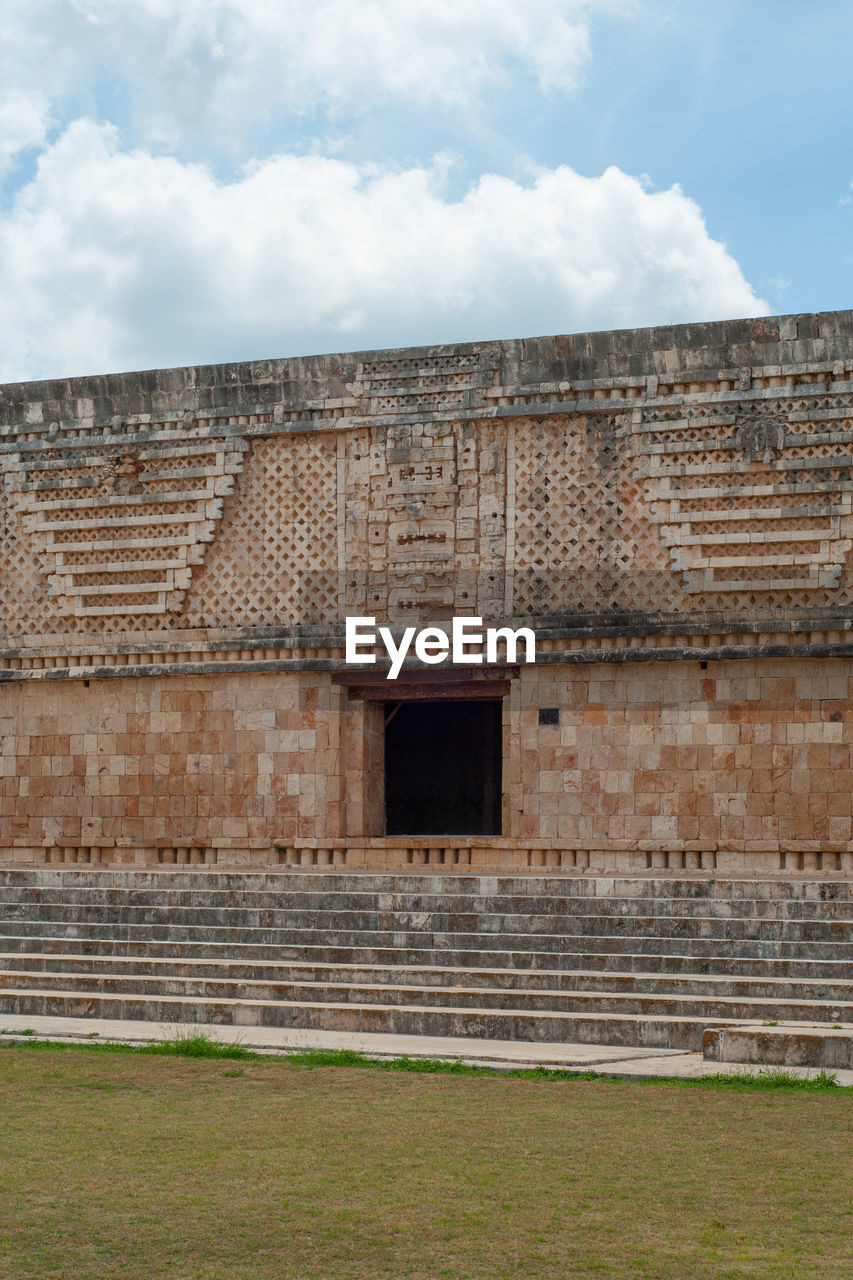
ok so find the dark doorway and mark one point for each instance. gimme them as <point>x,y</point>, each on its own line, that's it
<point>443,768</point>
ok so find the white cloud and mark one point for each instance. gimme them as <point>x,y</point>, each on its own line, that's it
<point>31,73</point>
<point>113,259</point>
<point>24,120</point>
<point>186,69</point>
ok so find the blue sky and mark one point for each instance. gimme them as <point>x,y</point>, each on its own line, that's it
<point>184,181</point>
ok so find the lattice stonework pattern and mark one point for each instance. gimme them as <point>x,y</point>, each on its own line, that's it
<point>583,538</point>
<point>754,500</point>
<point>275,558</point>
<point>24,606</point>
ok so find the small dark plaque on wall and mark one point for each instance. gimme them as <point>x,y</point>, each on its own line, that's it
<point>549,715</point>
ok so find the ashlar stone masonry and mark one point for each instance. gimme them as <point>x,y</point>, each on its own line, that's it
<point>670,509</point>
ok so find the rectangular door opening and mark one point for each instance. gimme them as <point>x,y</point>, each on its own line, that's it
<point>443,767</point>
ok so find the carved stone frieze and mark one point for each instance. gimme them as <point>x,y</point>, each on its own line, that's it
<point>751,496</point>
<point>118,526</point>
<point>695,477</point>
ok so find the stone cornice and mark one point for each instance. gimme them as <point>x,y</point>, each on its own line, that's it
<point>326,654</point>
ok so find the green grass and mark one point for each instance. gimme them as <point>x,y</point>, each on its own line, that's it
<point>189,1044</point>
<point>119,1164</point>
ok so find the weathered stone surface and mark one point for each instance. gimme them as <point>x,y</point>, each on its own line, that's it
<point>743,766</point>
<point>671,509</point>
<point>783,1046</point>
<point>685,477</point>
<point>643,961</point>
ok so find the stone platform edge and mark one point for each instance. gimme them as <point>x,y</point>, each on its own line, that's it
<point>626,1062</point>
<point>441,854</point>
<point>783,1045</point>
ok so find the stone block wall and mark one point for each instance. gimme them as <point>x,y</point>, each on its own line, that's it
<point>232,762</point>
<point>749,757</point>
<point>742,765</point>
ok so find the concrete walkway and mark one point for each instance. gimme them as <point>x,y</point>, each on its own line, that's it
<point>617,1060</point>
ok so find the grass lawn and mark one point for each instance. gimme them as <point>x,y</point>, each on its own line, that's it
<point>120,1165</point>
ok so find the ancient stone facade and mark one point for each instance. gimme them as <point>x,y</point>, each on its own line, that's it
<point>671,510</point>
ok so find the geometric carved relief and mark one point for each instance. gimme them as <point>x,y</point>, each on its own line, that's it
<point>425,520</point>
<point>414,508</point>
<point>404,384</point>
<point>583,536</point>
<point>118,522</point>
<point>22,599</point>
<point>432,495</point>
<point>275,558</point>
<point>751,499</point>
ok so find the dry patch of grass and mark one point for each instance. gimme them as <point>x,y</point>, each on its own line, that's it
<point>124,1166</point>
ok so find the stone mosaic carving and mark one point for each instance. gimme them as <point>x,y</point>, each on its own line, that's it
<point>599,476</point>
<point>583,539</point>
<point>425,523</point>
<point>752,497</point>
<point>403,383</point>
<point>118,526</point>
<point>275,559</point>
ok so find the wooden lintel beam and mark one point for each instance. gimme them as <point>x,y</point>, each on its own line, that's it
<point>414,691</point>
<point>467,676</point>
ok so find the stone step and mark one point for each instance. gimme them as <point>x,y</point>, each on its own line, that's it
<point>52,967</point>
<point>528,905</point>
<point>706,945</point>
<point>709,1005</point>
<point>720,963</point>
<point>589,885</point>
<point>784,1046</point>
<point>650,960</point>
<point>485,923</point>
<point>506,1024</point>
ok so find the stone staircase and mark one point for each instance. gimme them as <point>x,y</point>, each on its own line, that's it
<point>640,961</point>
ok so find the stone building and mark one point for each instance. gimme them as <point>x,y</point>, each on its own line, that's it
<point>668,509</point>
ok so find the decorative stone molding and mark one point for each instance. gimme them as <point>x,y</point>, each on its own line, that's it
<point>461,854</point>
<point>326,654</point>
<point>608,479</point>
<point>119,519</point>
<point>752,496</point>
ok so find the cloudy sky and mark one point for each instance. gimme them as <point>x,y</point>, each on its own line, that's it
<point>187,181</point>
